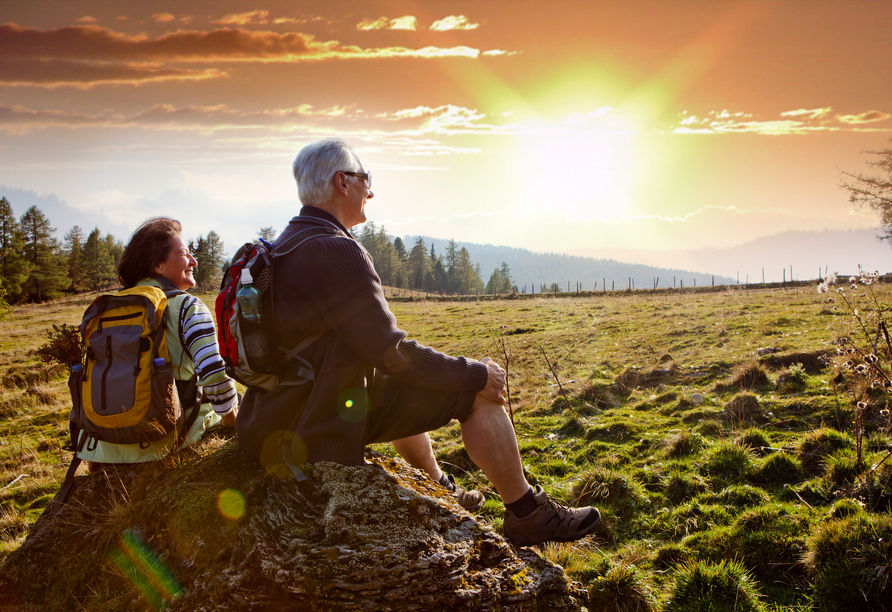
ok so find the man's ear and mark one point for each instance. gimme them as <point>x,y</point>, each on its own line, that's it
<point>340,182</point>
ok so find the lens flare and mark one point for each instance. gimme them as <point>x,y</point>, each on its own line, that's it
<point>231,504</point>
<point>353,405</point>
<point>145,570</point>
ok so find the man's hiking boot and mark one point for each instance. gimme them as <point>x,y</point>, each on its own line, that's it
<point>471,501</point>
<point>551,521</point>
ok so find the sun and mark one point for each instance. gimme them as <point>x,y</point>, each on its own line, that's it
<point>582,169</point>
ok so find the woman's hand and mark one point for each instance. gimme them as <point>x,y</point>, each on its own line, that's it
<point>229,419</point>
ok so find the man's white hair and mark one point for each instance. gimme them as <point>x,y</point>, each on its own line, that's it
<point>317,163</point>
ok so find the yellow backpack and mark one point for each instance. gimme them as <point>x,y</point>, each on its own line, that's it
<point>126,392</point>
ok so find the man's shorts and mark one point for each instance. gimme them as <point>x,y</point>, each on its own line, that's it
<point>399,410</point>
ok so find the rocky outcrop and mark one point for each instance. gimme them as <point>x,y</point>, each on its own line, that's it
<point>219,533</point>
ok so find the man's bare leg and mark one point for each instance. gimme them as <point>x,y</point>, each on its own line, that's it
<point>491,444</point>
<point>418,453</point>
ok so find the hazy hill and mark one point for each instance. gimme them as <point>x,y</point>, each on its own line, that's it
<point>535,269</point>
<point>831,250</point>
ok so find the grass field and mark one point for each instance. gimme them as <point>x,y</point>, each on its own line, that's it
<point>717,431</point>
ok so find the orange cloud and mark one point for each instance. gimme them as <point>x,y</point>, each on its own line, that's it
<point>805,113</point>
<point>84,75</point>
<point>454,22</point>
<point>86,19</point>
<point>205,119</point>
<point>93,43</point>
<point>250,17</point>
<point>163,17</point>
<point>868,117</point>
<point>800,121</point>
<point>407,22</point>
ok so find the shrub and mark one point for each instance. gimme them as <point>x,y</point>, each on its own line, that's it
<point>850,561</point>
<point>691,517</point>
<point>777,468</point>
<point>670,555</point>
<point>621,590</point>
<point>711,427</point>
<point>680,486</point>
<point>728,462</point>
<point>816,445</point>
<point>843,508</point>
<point>766,539</point>
<point>742,496</point>
<point>756,439</point>
<point>842,467</point>
<point>742,407</point>
<point>618,490</point>
<point>747,377</point>
<point>793,380</point>
<point>682,443</point>
<point>599,395</point>
<point>713,587</point>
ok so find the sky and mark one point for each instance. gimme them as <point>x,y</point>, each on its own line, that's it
<point>632,129</point>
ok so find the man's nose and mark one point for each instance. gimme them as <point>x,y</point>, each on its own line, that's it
<point>371,194</point>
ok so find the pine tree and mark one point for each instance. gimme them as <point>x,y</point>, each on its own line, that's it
<point>400,249</point>
<point>14,270</point>
<point>73,246</point>
<point>48,273</point>
<point>115,250</point>
<point>451,266</point>
<point>495,283</point>
<point>507,282</point>
<point>97,264</point>
<point>418,264</point>
<point>208,252</point>
<point>267,233</point>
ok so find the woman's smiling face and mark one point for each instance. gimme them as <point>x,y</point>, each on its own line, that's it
<point>178,266</point>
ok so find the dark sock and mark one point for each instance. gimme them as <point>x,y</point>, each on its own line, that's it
<point>444,480</point>
<point>523,506</point>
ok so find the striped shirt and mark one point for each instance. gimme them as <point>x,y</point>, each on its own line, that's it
<point>198,337</point>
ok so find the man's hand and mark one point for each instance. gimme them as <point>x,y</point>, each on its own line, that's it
<point>495,382</point>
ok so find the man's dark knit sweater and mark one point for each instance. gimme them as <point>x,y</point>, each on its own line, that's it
<point>328,287</point>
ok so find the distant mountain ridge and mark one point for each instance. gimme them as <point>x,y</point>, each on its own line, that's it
<point>532,269</point>
<point>808,253</point>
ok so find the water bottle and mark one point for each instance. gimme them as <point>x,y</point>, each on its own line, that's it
<point>248,298</point>
<point>257,346</point>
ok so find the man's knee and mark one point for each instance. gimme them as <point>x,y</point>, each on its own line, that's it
<point>488,407</point>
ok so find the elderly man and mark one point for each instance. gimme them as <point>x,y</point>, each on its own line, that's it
<point>371,383</point>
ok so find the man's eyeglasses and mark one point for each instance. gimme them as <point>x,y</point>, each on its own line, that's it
<point>366,176</point>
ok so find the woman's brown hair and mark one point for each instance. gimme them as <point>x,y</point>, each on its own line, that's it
<point>149,245</point>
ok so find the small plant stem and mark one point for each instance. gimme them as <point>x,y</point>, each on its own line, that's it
<point>501,339</point>
<point>558,380</point>
<point>888,341</point>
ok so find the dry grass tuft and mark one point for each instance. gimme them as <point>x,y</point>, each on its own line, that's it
<point>742,407</point>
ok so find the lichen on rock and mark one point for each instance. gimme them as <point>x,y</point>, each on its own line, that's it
<point>376,537</point>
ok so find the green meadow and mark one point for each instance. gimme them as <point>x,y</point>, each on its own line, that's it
<point>734,439</point>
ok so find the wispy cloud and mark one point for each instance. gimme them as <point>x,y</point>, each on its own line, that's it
<point>454,22</point>
<point>808,113</point>
<point>407,22</point>
<point>54,73</point>
<point>97,55</point>
<point>868,117</point>
<point>799,121</point>
<point>164,17</point>
<point>250,17</point>
<point>204,119</point>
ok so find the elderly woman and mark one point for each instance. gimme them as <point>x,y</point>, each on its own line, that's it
<point>158,256</point>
